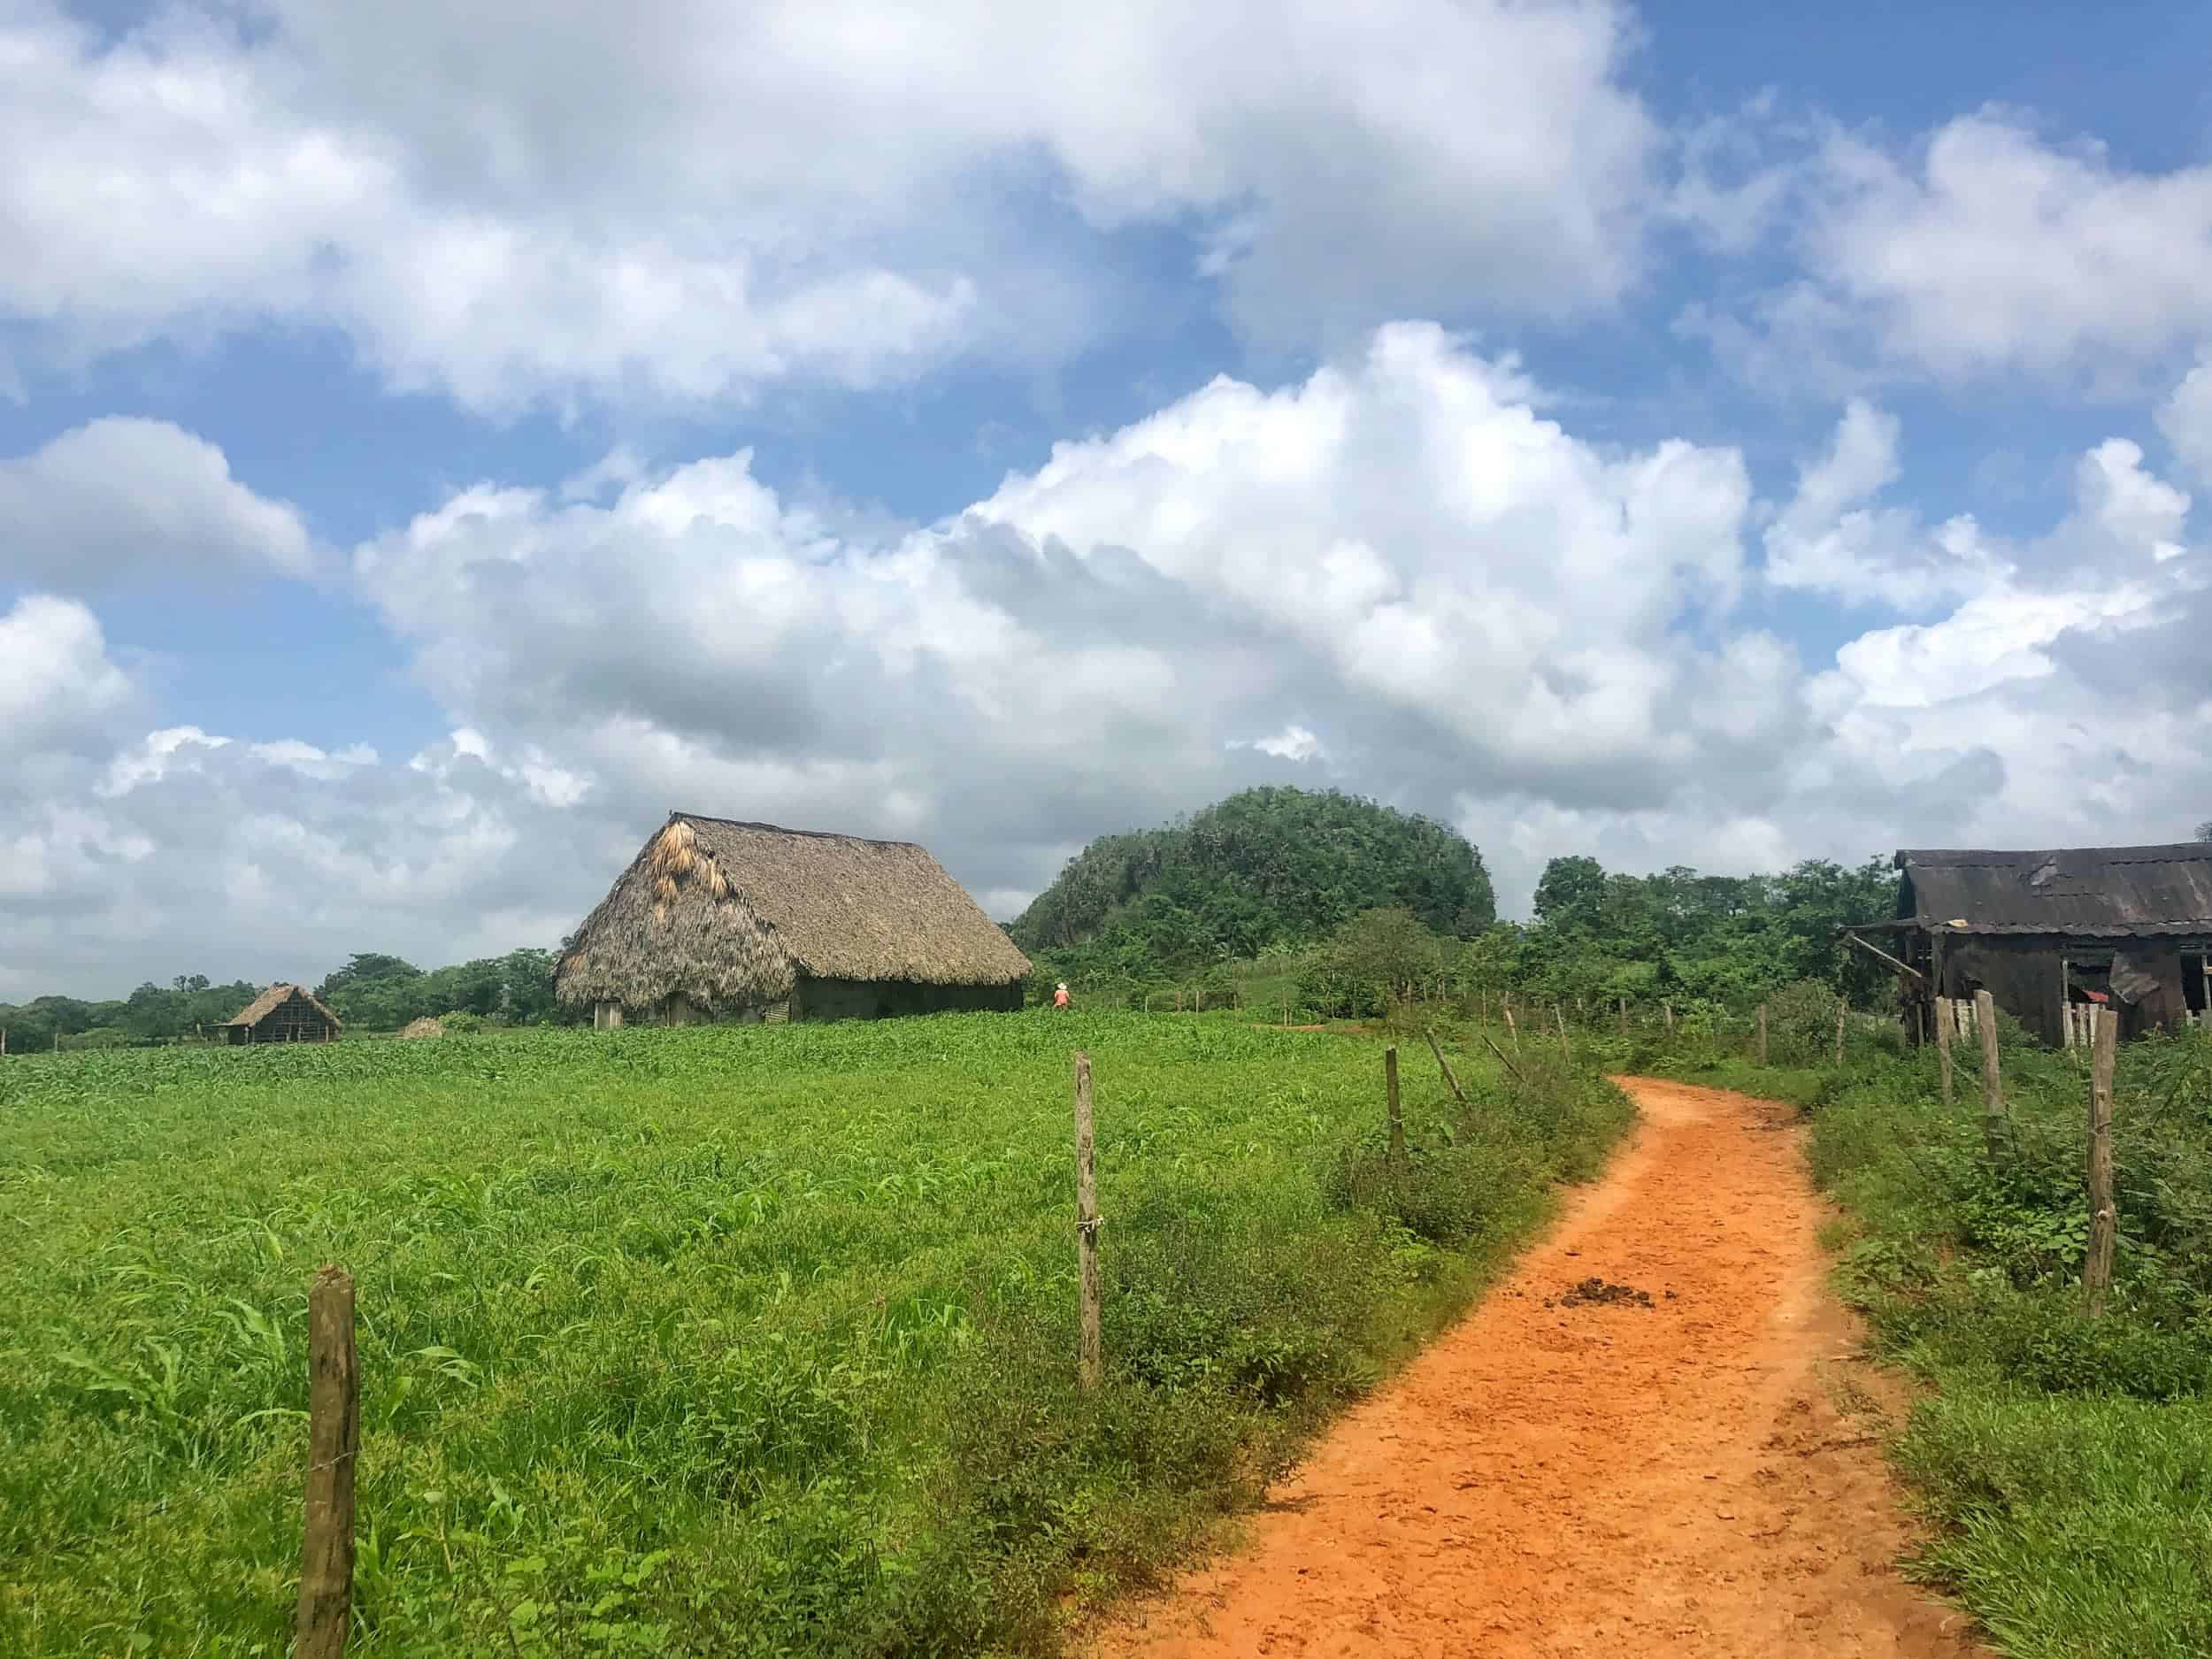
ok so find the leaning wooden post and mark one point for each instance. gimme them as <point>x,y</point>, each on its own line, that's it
<point>333,1438</point>
<point>1397,1122</point>
<point>2096,1270</point>
<point>1992,1083</point>
<point>1762,1034</point>
<point>1566,1049</point>
<point>1444,1066</point>
<point>1943,1017</point>
<point>1511,1029</point>
<point>1089,1366</point>
<point>1843,1006</point>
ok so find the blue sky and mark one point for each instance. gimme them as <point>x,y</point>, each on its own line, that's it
<point>436,442</point>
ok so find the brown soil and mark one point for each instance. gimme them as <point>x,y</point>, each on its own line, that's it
<point>1569,1473</point>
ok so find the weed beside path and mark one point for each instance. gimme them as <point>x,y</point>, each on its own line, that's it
<point>711,1340</point>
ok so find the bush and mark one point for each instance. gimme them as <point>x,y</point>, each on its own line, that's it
<point>460,1023</point>
<point>1801,1023</point>
<point>1443,1194</point>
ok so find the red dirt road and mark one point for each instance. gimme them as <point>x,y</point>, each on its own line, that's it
<point>1599,1480</point>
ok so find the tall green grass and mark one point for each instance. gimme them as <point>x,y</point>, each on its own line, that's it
<point>2064,1463</point>
<point>726,1341</point>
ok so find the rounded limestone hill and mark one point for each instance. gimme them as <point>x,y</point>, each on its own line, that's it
<point>1262,867</point>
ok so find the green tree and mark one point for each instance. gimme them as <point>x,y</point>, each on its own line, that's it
<point>1394,947</point>
<point>1571,892</point>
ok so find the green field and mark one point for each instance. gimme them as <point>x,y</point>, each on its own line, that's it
<point>723,1341</point>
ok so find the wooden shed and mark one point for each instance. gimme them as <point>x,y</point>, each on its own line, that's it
<point>2128,926</point>
<point>283,1013</point>
<point>719,919</point>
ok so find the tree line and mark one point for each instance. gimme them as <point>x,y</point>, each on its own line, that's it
<point>1595,937</point>
<point>1598,938</point>
<point>372,992</point>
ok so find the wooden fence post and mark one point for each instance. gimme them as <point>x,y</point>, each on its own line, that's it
<point>1762,1034</point>
<point>1993,1082</point>
<point>1090,1364</point>
<point>1444,1066</point>
<point>333,1438</point>
<point>2096,1269</point>
<point>1843,1007</point>
<point>1943,1044</point>
<point>1566,1049</point>
<point>1511,1029</point>
<point>1397,1123</point>
<point>1624,1017</point>
<point>1668,1010</point>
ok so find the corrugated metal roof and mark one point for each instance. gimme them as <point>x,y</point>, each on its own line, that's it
<point>2083,892</point>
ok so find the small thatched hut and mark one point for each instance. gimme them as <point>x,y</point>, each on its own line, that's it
<point>283,1013</point>
<point>721,920</point>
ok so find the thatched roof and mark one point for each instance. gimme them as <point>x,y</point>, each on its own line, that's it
<point>2083,892</point>
<point>274,998</point>
<point>728,914</point>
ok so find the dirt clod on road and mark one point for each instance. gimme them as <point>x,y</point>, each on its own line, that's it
<point>1566,1480</point>
<point>1596,1292</point>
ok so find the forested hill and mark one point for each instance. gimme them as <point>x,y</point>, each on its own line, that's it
<point>1268,866</point>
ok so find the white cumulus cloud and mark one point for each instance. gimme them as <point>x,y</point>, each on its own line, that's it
<point>685,201</point>
<point>1491,617</point>
<point>119,498</point>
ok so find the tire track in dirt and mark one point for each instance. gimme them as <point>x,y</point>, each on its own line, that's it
<point>1601,1478</point>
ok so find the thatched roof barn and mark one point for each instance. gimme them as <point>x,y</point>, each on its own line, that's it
<point>2130,926</point>
<point>283,1013</point>
<point>719,919</point>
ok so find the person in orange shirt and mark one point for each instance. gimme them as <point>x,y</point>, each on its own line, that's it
<point>1060,994</point>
